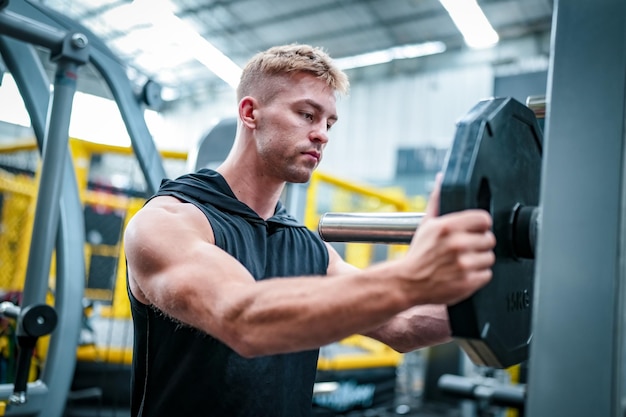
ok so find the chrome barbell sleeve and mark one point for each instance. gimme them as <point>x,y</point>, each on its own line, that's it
<point>369,227</point>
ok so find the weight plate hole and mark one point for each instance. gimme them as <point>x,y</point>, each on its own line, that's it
<point>484,195</point>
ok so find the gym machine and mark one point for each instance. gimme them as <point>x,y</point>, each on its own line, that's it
<point>70,51</point>
<point>493,325</point>
<point>557,296</point>
<point>24,25</point>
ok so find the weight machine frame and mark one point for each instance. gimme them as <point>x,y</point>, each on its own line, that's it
<point>576,366</point>
<point>22,25</point>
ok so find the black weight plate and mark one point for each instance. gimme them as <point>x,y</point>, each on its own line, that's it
<point>495,164</point>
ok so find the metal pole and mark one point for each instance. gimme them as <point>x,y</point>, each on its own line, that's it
<point>147,154</point>
<point>369,227</point>
<point>29,31</point>
<point>34,87</point>
<point>47,208</point>
<point>576,361</point>
<point>70,285</point>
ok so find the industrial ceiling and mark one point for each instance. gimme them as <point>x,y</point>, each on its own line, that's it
<point>240,28</point>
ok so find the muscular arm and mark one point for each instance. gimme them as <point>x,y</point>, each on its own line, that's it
<point>174,265</point>
<point>417,327</point>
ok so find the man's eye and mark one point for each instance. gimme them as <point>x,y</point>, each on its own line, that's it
<point>308,116</point>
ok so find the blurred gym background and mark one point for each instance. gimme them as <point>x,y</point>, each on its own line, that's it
<point>415,66</point>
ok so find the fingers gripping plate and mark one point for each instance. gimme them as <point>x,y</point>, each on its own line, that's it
<point>495,164</point>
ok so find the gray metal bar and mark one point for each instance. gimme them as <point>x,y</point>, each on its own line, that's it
<point>369,227</point>
<point>51,177</point>
<point>29,75</point>
<point>575,366</point>
<point>148,156</point>
<point>33,84</point>
<point>24,65</point>
<point>69,293</point>
<point>28,30</point>
<point>537,104</point>
<point>114,74</point>
<point>38,396</point>
<point>9,310</point>
<point>59,368</point>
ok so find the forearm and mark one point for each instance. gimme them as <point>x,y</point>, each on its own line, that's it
<point>418,327</point>
<point>285,315</point>
<point>275,315</point>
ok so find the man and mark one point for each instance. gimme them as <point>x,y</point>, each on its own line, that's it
<point>231,297</point>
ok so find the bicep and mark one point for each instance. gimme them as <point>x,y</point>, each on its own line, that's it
<point>336,264</point>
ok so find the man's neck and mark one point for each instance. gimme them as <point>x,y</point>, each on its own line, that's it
<point>260,193</point>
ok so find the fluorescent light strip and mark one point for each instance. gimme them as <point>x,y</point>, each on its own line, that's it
<point>201,49</point>
<point>471,22</point>
<point>391,54</point>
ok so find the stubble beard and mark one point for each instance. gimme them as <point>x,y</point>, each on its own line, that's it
<point>289,170</point>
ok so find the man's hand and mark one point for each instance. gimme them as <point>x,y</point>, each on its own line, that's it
<point>450,256</point>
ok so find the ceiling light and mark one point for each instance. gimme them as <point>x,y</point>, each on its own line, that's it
<point>391,54</point>
<point>15,113</point>
<point>165,21</point>
<point>471,22</point>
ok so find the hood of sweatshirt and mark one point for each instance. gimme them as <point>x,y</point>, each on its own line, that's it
<point>208,186</point>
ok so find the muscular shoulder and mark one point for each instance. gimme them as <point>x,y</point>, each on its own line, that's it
<point>159,236</point>
<point>167,205</point>
<point>166,219</point>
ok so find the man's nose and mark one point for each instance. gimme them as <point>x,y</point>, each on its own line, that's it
<point>319,133</point>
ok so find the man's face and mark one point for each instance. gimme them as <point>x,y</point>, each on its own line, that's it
<point>292,128</point>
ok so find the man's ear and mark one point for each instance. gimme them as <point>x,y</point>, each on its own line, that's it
<point>247,114</point>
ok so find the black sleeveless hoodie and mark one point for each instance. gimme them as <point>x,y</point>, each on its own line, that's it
<point>181,371</point>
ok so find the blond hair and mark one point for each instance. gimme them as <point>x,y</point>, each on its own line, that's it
<point>285,60</point>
